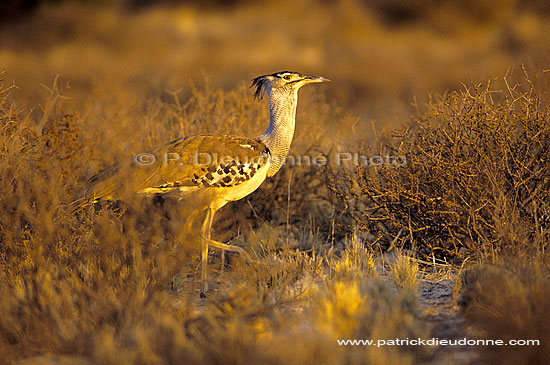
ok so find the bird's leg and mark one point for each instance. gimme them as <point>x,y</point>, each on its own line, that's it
<point>206,226</point>
<point>225,246</point>
<point>223,260</point>
<point>206,241</point>
<point>188,227</point>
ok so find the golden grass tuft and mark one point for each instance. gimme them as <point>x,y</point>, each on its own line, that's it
<point>369,308</point>
<point>405,271</point>
<point>354,261</point>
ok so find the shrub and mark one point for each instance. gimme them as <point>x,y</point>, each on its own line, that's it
<point>476,179</point>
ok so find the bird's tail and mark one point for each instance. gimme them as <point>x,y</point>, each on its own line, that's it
<point>97,187</point>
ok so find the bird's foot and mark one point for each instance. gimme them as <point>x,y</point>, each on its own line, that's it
<point>204,289</point>
<point>231,248</point>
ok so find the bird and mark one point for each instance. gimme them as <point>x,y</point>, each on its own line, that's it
<point>214,169</point>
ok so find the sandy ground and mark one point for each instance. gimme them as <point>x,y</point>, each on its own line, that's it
<point>438,308</point>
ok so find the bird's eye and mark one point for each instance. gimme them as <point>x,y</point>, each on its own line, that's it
<point>286,77</point>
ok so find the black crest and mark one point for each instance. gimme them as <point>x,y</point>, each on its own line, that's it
<point>259,83</point>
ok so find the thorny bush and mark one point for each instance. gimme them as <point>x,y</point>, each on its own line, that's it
<point>476,182</point>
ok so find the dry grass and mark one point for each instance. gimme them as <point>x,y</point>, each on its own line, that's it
<point>354,261</point>
<point>406,272</point>
<point>474,189</point>
<point>371,309</point>
<point>509,300</point>
<point>116,283</point>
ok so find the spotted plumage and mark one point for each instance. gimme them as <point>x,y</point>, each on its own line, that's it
<point>182,164</point>
<point>223,175</point>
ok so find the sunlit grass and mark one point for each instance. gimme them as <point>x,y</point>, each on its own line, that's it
<point>117,283</point>
<point>405,271</point>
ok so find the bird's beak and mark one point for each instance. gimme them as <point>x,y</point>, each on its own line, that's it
<point>313,79</point>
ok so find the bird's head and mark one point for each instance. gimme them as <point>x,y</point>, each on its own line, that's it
<point>283,81</point>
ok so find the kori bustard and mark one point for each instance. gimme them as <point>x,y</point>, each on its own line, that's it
<point>214,169</point>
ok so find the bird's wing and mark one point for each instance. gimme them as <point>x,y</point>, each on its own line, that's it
<point>200,160</point>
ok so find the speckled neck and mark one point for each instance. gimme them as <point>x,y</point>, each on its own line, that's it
<point>279,132</point>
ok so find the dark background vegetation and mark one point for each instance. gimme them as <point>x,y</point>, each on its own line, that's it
<point>458,87</point>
